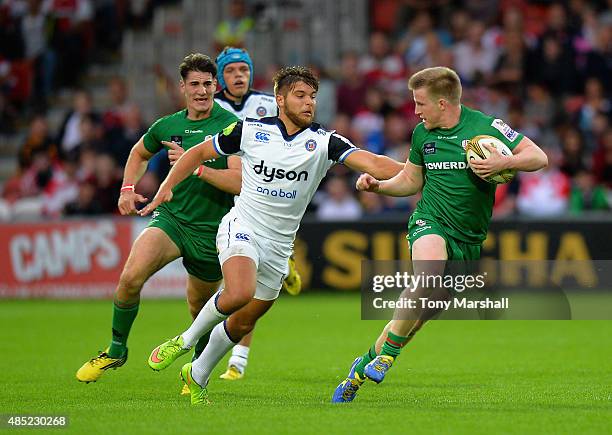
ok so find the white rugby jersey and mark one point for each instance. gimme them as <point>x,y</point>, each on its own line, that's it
<point>280,172</point>
<point>254,104</point>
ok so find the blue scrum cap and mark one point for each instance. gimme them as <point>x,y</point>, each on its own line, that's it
<point>233,55</point>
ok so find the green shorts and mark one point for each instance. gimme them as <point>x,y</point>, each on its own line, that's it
<point>421,224</point>
<point>198,248</point>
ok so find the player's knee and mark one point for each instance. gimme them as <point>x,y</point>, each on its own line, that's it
<point>132,281</point>
<point>240,295</point>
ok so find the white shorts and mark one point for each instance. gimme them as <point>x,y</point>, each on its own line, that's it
<point>236,238</point>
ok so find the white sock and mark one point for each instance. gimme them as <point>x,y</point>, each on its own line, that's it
<point>239,358</point>
<point>218,345</point>
<point>207,318</point>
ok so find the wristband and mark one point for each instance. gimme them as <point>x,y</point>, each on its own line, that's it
<point>199,171</point>
<point>127,187</point>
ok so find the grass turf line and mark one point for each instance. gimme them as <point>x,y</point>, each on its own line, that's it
<point>456,376</point>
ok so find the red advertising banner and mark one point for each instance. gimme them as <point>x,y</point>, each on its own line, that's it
<point>76,258</point>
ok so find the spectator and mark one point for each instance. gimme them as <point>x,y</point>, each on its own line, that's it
<point>573,155</point>
<point>594,102</point>
<point>373,205</point>
<point>369,120</point>
<point>233,31</point>
<point>70,131</point>
<point>383,68</point>
<point>505,199</point>
<point>120,139</point>
<point>413,43</point>
<point>108,183</point>
<point>510,67</point>
<point>540,108</point>
<point>36,31</point>
<point>85,203</point>
<point>38,140</point>
<point>326,96</point>
<point>118,92</point>
<point>550,65</point>
<point>339,203</point>
<point>342,125</point>
<point>110,14</point>
<point>73,38</point>
<point>559,28</point>
<point>520,122</point>
<point>473,59</point>
<point>596,62</point>
<point>90,133</point>
<point>546,192</point>
<point>352,87</point>
<point>8,111</point>
<point>495,102</point>
<point>392,137</point>
<point>586,195</point>
<point>602,161</point>
<point>12,46</point>
<point>459,25</point>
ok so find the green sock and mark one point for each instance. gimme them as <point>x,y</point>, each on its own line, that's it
<point>393,345</point>
<point>122,323</point>
<point>365,359</point>
<point>200,345</point>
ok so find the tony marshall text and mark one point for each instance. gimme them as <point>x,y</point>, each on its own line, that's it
<point>458,303</point>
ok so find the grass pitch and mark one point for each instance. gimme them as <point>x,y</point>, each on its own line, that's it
<point>454,377</point>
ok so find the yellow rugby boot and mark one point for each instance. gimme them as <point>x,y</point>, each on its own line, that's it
<point>95,367</point>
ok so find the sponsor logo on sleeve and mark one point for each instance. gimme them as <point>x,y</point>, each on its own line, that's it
<point>228,130</point>
<point>504,129</point>
<point>243,237</point>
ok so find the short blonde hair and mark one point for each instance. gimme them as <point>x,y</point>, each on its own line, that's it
<point>440,82</point>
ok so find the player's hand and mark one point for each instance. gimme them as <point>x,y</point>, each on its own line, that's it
<point>493,164</point>
<point>162,195</point>
<point>127,202</point>
<point>175,151</point>
<point>367,182</point>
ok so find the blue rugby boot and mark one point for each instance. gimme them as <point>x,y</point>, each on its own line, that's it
<point>378,367</point>
<point>347,390</point>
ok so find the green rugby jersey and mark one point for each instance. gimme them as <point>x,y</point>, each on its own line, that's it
<point>460,201</point>
<point>194,203</point>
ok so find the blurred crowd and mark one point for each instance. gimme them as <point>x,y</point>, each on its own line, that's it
<point>46,45</point>
<point>542,67</point>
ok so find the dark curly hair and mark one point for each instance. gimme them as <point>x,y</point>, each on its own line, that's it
<point>286,78</point>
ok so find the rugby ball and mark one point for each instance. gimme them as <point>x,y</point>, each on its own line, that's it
<point>476,151</point>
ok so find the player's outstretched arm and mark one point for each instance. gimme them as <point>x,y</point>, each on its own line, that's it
<point>406,179</point>
<point>407,182</point>
<point>135,167</point>
<point>526,156</point>
<point>184,167</point>
<point>381,167</point>
<point>228,180</point>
